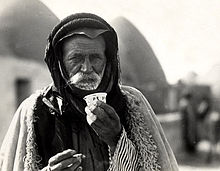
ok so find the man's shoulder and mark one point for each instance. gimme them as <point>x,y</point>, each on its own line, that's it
<point>135,97</point>
<point>131,90</point>
<point>35,98</point>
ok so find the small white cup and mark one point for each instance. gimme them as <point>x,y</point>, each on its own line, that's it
<point>93,98</point>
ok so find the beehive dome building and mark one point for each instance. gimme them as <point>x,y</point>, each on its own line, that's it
<point>139,65</point>
<point>24,28</point>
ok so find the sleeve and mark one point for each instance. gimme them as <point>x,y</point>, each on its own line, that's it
<point>9,156</point>
<point>125,155</point>
<point>154,151</point>
<point>167,158</point>
<point>18,150</point>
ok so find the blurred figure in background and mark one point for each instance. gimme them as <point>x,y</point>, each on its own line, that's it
<point>189,120</point>
<point>188,110</point>
<point>195,106</point>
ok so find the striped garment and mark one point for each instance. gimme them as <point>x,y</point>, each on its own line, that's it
<point>125,155</point>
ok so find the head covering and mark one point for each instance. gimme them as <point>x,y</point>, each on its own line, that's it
<point>91,26</point>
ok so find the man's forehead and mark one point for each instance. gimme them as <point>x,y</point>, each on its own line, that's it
<point>82,42</point>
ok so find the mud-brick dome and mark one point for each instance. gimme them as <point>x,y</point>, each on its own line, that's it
<point>139,65</point>
<point>25,25</point>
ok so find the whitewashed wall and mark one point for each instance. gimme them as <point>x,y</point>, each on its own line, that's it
<point>11,69</point>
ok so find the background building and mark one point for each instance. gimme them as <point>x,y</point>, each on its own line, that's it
<point>140,66</point>
<point>25,25</point>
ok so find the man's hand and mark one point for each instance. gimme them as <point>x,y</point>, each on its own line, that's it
<point>106,122</point>
<point>66,160</point>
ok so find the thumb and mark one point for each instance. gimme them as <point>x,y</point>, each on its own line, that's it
<point>90,117</point>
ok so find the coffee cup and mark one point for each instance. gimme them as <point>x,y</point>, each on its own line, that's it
<point>93,98</point>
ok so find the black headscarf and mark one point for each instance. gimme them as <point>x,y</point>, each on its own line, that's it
<point>53,57</point>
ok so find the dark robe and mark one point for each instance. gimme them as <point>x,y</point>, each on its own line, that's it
<point>55,133</point>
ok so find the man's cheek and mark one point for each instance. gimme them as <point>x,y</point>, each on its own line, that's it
<point>99,69</point>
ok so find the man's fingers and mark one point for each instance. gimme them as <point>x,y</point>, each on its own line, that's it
<point>108,109</point>
<point>61,156</point>
<point>98,114</point>
<point>66,164</point>
<point>100,130</point>
<point>71,163</point>
<point>96,125</point>
<point>97,129</point>
<point>101,115</point>
<point>98,111</point>
<point>79,168</point>
<point>90,117</point>
<point>72,168</point>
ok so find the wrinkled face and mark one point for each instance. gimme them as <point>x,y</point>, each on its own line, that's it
<point>85,61</point>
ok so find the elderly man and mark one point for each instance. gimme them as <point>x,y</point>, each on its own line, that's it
<point>54,129</point>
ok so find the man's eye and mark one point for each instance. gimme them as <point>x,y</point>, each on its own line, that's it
<point>76,57</point>
<point>94,56</point>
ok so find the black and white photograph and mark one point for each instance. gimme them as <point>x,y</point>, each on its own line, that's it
<point>118,85</point>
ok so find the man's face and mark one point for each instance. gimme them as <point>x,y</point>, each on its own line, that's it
<point>85,61</point>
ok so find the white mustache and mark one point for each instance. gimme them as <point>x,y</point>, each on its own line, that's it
<point>85,81</point>
<point>78,77</point>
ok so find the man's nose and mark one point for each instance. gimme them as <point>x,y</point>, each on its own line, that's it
<point>86,66</point>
